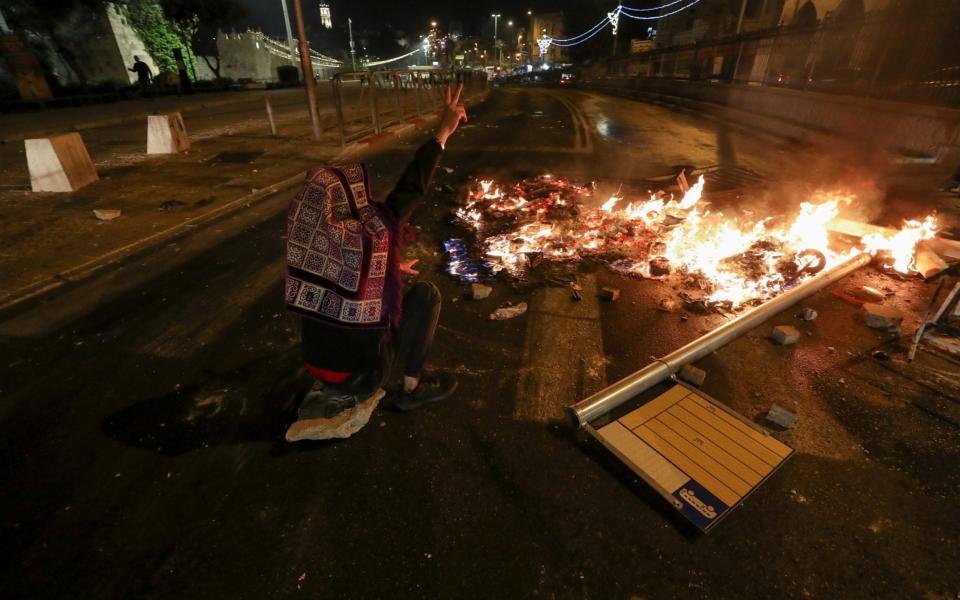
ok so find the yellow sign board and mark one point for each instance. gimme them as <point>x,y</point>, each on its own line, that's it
<point>699,455</point>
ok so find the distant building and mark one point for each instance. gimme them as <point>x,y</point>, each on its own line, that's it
<point>326,19</point>
<point>546,25</point>
<point>809,12</point>
<point>638,45</point>
<point>253,56</point>
<point>716,18</point>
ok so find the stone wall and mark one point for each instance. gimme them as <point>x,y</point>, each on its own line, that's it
<point>105,44</point>
<point>243,56</point>
<point>128,43</point>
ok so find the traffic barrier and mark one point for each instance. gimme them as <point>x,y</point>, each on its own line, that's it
<point>369,101</point>
<point>166,134</point>
<point>59,164</point>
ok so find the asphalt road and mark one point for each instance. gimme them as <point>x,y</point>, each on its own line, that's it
<point>141,450</point>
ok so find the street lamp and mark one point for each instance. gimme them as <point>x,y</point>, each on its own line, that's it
<point>496,19</point>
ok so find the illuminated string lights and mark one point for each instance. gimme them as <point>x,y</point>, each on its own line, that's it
<point>626,10</point>
<point>394,59</point>
<point>613,18</point>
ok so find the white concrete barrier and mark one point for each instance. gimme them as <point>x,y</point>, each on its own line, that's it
<point>166,134</point>
<point>59,164</point>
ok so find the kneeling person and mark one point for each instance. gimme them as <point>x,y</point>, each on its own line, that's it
<point>345,278</point>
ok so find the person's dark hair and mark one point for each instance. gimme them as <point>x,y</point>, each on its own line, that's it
<point>135,57</point>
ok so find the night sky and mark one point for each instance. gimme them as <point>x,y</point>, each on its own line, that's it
<point>378,24</point>
<point>414,17</point>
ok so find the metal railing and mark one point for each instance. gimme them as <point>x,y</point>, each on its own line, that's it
<point>368,102</point>
<point>913,58</point>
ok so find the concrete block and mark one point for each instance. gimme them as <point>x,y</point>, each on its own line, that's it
<point>59,164</point>
<point>879,316</point>
<point>785,335</point>
<point>609,294</point>
<point>781,416</point>
<point>480,291</point>
<point>166,134</point>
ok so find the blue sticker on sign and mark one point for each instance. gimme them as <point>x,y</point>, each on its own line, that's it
<point>698,505</point>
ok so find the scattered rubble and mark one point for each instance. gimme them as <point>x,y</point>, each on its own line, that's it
<point>480,291</point>
<point>106,214</point>
<point>808,314</point>
<point>928,263</point>
<point>786,335</point>
<point>781,416</point>
<point>610,294</point>
<point>508,312</point>
<point>170,205</point>
<point>860,294</point>
<point>668,305</point>
<point>878,316</point>
<point>692,375</point>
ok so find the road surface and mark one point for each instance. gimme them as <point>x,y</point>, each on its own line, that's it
<point>143,411</point>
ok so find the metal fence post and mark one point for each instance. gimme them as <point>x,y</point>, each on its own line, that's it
<point>374,109</point>
<point>416,90</point>
<point>338,103</point>
<point>397,92</point>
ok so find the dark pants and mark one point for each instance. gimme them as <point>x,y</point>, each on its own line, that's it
<point>411,340</point>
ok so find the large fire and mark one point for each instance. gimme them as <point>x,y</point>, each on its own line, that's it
<point>721,260</point>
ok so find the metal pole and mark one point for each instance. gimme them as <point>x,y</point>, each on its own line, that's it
<point>496,17</point>
<point>338,103</point>
<point>308,82</point>
<point>286,21</point>
<point>662,369</point>
<point>273,125</point>
<point>353,51</point>
<point>374,105</point>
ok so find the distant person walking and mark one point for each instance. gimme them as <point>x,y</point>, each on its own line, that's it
<point>144,75</point>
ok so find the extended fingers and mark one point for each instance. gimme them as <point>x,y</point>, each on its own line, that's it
<point>456,99</point>
<point>448,94</point>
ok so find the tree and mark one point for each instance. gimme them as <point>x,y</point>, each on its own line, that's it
<point>200,20</point>
<point>160,34</point>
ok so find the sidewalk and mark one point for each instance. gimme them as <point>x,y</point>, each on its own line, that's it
<point>48,236</point>
<point>50,239</point>
<point>14,128</point>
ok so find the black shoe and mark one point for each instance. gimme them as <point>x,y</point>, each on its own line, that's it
<point>432,388</point>
<point>325,403</point>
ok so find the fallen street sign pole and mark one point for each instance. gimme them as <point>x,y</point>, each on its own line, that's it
<point>660,370</point>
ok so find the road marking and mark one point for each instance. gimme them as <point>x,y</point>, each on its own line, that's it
<point>582,144</point>
<point>563,357</point>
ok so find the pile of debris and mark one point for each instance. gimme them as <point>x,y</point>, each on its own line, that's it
<point>715,261</point>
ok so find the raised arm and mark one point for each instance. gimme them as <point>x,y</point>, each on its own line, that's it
<point>413,184</point>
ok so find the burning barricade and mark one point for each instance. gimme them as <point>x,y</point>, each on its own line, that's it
<point>716,260</point>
